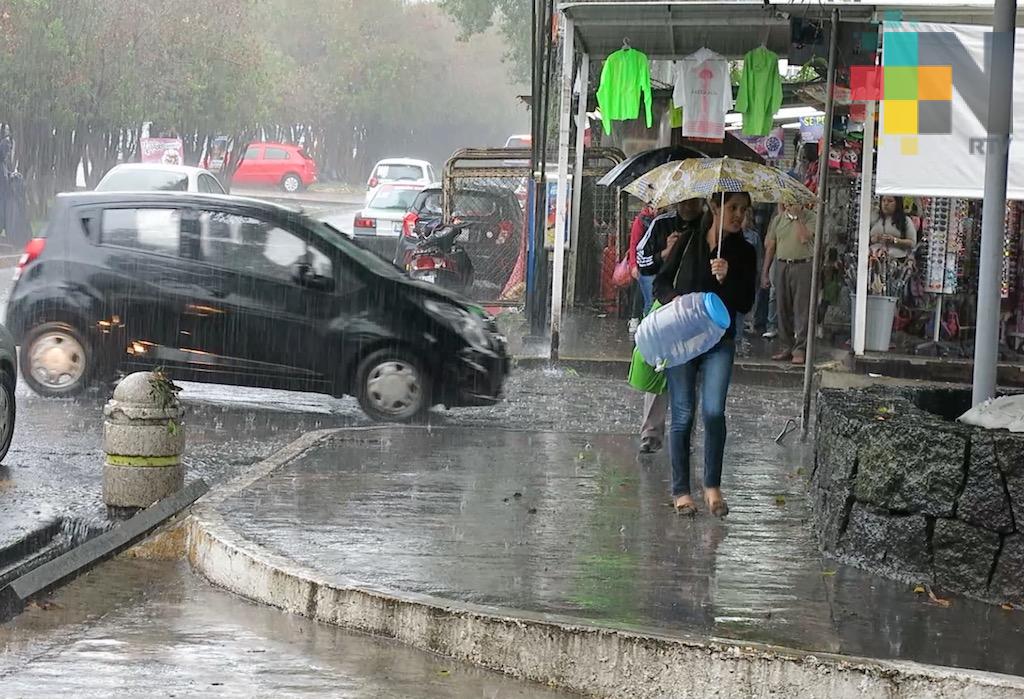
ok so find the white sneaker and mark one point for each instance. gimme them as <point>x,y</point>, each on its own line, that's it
<point>771,335</point>
<point>634,325</point>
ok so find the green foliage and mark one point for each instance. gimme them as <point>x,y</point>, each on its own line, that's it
<point>511,17</point>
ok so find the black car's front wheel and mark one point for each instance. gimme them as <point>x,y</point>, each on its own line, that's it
<point>56,361</point>
<point>8,412</point>
<point>393,386</point>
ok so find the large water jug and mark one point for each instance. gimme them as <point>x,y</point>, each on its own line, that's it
<point>683,329</point>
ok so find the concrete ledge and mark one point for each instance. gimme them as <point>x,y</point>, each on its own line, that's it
<point>554,650</point>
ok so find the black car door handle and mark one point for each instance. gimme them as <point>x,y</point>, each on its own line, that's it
<point>217,292</point>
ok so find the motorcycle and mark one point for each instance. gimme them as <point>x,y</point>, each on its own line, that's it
<point>440,259</point>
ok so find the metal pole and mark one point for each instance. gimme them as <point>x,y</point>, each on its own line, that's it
<point>562,188</point>
<point>577,179</point>
<point>993,213</point>
<point>864,233</point>
<point>819,226</point>
<point>542,67</point>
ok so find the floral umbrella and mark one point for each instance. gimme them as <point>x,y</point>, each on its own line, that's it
<point>674,182</point>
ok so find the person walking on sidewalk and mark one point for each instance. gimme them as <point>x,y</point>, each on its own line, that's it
<point>692,265</point>
<point>643,283</point>
<point>790,242</point>
<point>657,244</point>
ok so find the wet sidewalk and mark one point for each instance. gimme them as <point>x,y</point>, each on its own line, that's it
<point>576,525</point>
<point>136,628</point>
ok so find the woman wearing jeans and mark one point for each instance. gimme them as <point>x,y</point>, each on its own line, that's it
<point>692,265</point>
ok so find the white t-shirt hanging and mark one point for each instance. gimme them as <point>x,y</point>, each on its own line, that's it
<point>704,91</point>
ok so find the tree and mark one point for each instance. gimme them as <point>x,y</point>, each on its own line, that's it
<point>511,17</point>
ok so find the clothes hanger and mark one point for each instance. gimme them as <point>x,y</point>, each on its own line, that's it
<point>625,44</point>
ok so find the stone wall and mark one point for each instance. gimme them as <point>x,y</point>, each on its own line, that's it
<point>900,488</point>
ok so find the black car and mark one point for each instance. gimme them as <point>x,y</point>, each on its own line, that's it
<point>494,233</point>
<point>243,292</point>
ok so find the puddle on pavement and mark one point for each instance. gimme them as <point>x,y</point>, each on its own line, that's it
<point>153,629</point>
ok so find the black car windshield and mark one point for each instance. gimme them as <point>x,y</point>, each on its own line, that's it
<point>369,259</point>
<point>139,180</point>
<point>392,198</point>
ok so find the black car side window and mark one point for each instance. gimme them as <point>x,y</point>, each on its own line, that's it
<point>251,246</point>
<point>152,230</point>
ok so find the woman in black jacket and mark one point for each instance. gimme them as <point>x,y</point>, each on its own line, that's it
<point>693,265</point>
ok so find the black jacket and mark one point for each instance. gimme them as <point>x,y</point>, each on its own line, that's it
<point>648,250</point>
<point>688,270</point>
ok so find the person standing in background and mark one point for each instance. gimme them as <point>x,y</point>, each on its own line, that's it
<point>790,241</point>
<point>644,283</point>
<point>752,236</point>
<point>893,230</point>
<point>653,249</point>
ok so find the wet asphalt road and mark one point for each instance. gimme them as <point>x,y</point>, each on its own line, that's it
<point>152,629</point>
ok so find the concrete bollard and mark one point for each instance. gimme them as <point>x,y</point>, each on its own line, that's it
<point>143,438</point>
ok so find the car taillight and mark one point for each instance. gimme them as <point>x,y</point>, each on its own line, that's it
<point>373,182</point>
<point>32,251</point>
<point>409,225</point>
<point>363,222</point>
<point>426,262</point>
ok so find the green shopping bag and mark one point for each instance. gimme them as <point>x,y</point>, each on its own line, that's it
<point>642,375</point>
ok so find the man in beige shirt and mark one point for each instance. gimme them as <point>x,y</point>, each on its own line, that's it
<point>791,240</point>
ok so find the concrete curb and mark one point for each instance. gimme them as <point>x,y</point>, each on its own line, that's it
<point>559,651</point>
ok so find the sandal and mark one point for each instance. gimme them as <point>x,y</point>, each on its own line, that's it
<point>686,509</point>
<point>719,508</point>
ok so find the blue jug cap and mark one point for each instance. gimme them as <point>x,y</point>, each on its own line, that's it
<point>717,311</point>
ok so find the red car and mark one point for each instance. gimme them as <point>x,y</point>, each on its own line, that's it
<point>276,165</point>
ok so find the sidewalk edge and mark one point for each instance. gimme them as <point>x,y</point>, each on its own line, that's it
<point>554,650</point>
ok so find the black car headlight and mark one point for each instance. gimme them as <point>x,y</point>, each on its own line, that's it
<point>468,325</point>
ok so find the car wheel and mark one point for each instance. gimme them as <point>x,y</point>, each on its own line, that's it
<point>291,183</point>
<point>393,387</point>
<point>56,361</point>
<point>7,412</point>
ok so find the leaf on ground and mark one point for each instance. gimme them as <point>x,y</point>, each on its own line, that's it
<point>828,572</point>
<point>918,589</point>
<point>939,601</point>
<point>444,672</point>
<point>569,371</point>
<point>780,500</point>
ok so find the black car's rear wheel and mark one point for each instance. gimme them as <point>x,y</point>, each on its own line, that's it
<point>8,412</point>
<point>56,361</point>
<point>393,386</point>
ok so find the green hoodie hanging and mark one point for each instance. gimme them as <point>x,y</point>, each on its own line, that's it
<point>625,77</point>
<point>760,93</point>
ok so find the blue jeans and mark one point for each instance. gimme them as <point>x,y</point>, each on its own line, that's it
<point>646,282</point>
<point>715,371</point>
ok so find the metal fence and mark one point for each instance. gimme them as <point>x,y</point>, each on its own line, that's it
<point>488,188</point>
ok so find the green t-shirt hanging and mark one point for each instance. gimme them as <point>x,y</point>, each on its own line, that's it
<point>760,93</point>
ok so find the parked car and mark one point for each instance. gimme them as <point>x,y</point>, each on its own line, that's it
<point>404,171</point>
<point>378,226</point>
<point>494,229</point>
<point>8,381</point>
<point>242,292</point>
<point>276,165</point>
<point>151,177</point>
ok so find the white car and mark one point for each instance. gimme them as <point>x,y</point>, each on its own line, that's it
<point>149,177</point>
<point>403,171</point>
<point>387,209</point>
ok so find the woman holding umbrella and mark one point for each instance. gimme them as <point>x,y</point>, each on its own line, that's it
<point>692,266</point>
<point>716,258</point>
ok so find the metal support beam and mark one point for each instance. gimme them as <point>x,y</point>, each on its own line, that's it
<point>562,188</point>
<point>819,227</point>
<point>860,311</point>
<point>993,214</point>
<point>583,81</point>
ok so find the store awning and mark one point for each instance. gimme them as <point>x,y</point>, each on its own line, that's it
<point>670,29</point>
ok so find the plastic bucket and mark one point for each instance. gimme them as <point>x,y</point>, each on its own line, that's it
<point>878,326</point>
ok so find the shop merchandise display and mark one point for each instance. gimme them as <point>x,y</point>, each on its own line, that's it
<point>760,92</point>
<point>625,80</point>
<point>704,93</point>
